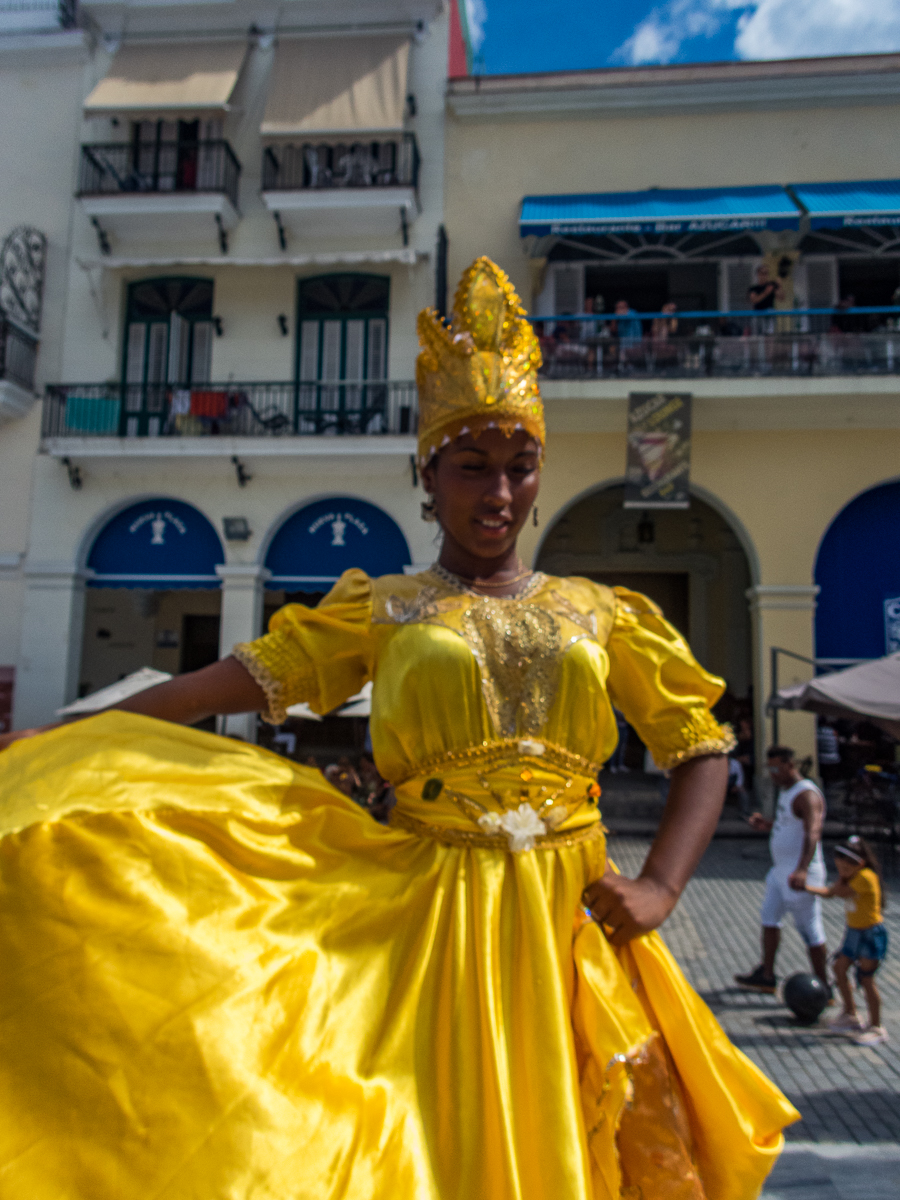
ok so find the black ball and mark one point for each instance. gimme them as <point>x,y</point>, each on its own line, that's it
<point>806,996</point>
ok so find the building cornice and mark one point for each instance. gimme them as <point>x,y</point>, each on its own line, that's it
<point>695,88</point>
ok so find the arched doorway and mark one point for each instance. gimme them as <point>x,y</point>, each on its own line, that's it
<point>154,598</point>
<point>689,561</point>
<point>858,573</point>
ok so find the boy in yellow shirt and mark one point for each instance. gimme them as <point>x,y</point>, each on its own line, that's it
<point>865,941</point>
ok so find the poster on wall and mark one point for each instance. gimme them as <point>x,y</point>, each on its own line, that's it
<point>657,473</point>
<point>892,625</point>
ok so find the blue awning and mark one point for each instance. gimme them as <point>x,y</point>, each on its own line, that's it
<point>661,210</point>
<point>315,545</point>
<point>158,544</point>
<point>849,205</point>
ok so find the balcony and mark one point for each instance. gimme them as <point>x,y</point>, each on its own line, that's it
<point>804,342</point>
<point>266,412</point>
<point>366,188</point>
<point>18,356</point>
<point>133,187</point>
<point>36,16</point>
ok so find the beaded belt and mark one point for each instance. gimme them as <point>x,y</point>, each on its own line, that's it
<point>450,836</point>
<point>490,754</point>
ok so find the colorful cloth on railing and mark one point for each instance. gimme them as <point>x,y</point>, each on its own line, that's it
<point>92,414</point>
<point>209,404</point>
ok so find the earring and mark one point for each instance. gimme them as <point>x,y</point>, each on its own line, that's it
<point>429,510</point>
<point>534,516</point>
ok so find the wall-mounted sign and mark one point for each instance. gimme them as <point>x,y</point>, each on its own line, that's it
<point>321,541</point>
<point>657,473</point>
<point>157,544</point>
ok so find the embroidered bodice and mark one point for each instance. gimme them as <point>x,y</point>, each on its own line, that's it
<point>487,700</point>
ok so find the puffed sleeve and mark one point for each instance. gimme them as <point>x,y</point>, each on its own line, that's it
<point>659,685</point>
<point>321,655</point>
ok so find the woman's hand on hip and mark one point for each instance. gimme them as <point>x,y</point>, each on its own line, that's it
<point>626,908</point>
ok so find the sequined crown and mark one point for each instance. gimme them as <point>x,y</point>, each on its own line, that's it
<point>480,371</point>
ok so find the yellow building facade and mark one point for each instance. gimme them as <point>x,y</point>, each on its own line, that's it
<point>780,447</point>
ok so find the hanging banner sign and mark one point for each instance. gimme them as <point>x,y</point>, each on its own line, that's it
<point>657,473</point>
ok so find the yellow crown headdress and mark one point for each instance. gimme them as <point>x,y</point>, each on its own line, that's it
<point>479,372</point>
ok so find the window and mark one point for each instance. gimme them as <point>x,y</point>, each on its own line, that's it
<point>168,346</point>
<point>342,353</point>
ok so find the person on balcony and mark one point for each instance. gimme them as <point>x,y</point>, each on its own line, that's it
<point>662,330</point>
<point>764,294</point>
<point>666,326</point>
<point>627,325</point>
<point>223,978</point>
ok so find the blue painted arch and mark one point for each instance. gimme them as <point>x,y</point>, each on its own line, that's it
<point>159,544</point>
<point>857,570</point>
<point>320,541</point>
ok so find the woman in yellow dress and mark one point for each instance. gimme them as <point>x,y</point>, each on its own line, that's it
<point>223,981</point>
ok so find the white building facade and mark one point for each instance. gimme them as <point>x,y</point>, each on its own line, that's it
<point>254,201</point>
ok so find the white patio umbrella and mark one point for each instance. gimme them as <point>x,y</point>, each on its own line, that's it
<point>870,690</point>
<point>359,705</point>
<point>137,681</point>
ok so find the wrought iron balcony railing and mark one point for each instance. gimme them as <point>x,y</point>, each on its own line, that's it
<point>855,341</point>
<point>18,354</point>
<point>230,409</point>
<point>121,168</point>
<point>312,166</point>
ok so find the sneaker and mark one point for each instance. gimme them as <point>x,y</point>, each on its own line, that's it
<point>873,1036</point>
<point>758,981</point>
<point>846,1023</point>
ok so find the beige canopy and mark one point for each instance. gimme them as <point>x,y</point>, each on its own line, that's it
<point>870,690</point>
<point>174,78</point>
<point>337,85</point>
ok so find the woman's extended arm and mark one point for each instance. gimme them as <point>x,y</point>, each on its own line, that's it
<point>630,907</point>
<point>223,687</point>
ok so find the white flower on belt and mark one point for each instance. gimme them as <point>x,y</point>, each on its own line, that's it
<point>521,826</point>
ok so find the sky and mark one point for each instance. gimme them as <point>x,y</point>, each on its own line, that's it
<point>556,35</point>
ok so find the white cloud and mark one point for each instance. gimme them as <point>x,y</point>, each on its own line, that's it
<point>767,28</point>
<point>659,37</point>
<point>808,28</point>
<point>476,18</point>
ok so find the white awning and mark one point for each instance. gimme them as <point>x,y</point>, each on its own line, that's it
<point>337,85</point>
<point>171,78</point>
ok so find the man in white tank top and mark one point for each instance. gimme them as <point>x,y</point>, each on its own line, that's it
<point>795,843</point>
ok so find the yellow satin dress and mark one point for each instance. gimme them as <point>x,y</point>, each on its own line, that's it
<point>222,980</point>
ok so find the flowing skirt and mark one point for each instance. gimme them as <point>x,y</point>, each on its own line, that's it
<point>221,980</point>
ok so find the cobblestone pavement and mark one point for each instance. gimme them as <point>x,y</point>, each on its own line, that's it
<point>835,1171</point>
<point>846,1093</point>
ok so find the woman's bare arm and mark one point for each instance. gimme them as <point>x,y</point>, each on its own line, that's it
<point>630,907</point>
<point>223,687</point>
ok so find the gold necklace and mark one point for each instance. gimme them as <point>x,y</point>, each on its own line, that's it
<point>453,580</point>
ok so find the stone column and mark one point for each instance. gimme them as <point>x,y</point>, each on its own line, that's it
<point>782,615</point>
<point>52,629</point>
<point>241,621</point>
